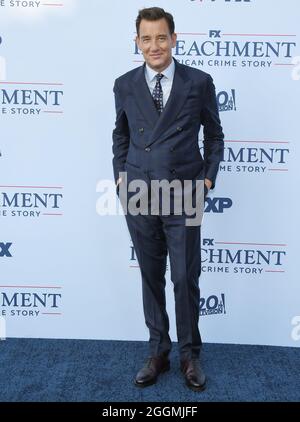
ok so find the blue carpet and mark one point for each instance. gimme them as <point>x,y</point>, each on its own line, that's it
<point>103,371</point>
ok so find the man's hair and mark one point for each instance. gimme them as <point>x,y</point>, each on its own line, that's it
<point>154,14</point>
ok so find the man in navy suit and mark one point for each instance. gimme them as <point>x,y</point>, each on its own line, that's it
<point>160,108</point>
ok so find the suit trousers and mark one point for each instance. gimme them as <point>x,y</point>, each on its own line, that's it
<point>154,237</point>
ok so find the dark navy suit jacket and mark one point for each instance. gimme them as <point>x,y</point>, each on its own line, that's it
<point>166,146</point>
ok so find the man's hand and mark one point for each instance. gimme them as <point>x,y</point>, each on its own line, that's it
<point>119,181</point>
<point>208,183</point>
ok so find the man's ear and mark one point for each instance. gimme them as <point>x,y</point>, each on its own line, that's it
<point>137,41</point>
<point>174,39</point>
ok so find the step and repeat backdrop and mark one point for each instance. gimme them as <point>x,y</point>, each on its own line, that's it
<point>66,271</point>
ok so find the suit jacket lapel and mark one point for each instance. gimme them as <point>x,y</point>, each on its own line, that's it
<point>143,97</point>
<point>179,93</point>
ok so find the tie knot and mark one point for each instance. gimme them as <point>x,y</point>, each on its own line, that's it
<point>159,77</point>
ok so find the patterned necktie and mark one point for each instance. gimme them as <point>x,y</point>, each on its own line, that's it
<point>158,93</point>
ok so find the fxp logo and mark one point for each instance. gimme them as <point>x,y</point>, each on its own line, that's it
<point>217,205</point>
<point>5,250</point>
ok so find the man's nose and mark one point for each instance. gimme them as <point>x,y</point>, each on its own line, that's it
<point>154,45</point>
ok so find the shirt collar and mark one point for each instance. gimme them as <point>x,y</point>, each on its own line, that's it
<point>168,72</point>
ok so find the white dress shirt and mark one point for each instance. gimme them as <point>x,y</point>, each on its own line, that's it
<point>166,81</point>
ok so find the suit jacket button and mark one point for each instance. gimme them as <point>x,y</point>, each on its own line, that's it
<point>179,129</point>
<point>173,171</point>
<point>147,149</point>
<point>172,149</point>
<point>141,129</point>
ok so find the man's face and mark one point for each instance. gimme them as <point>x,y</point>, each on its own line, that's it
<point>156,43</point>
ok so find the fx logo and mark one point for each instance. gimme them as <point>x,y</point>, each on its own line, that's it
<point>4,250</point>
<point>217,205</point>
<point>208,242</point>
<point>213,33</point>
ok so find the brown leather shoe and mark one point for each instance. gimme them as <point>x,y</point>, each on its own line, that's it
<point>193,373</point>
<point>150,371</point>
